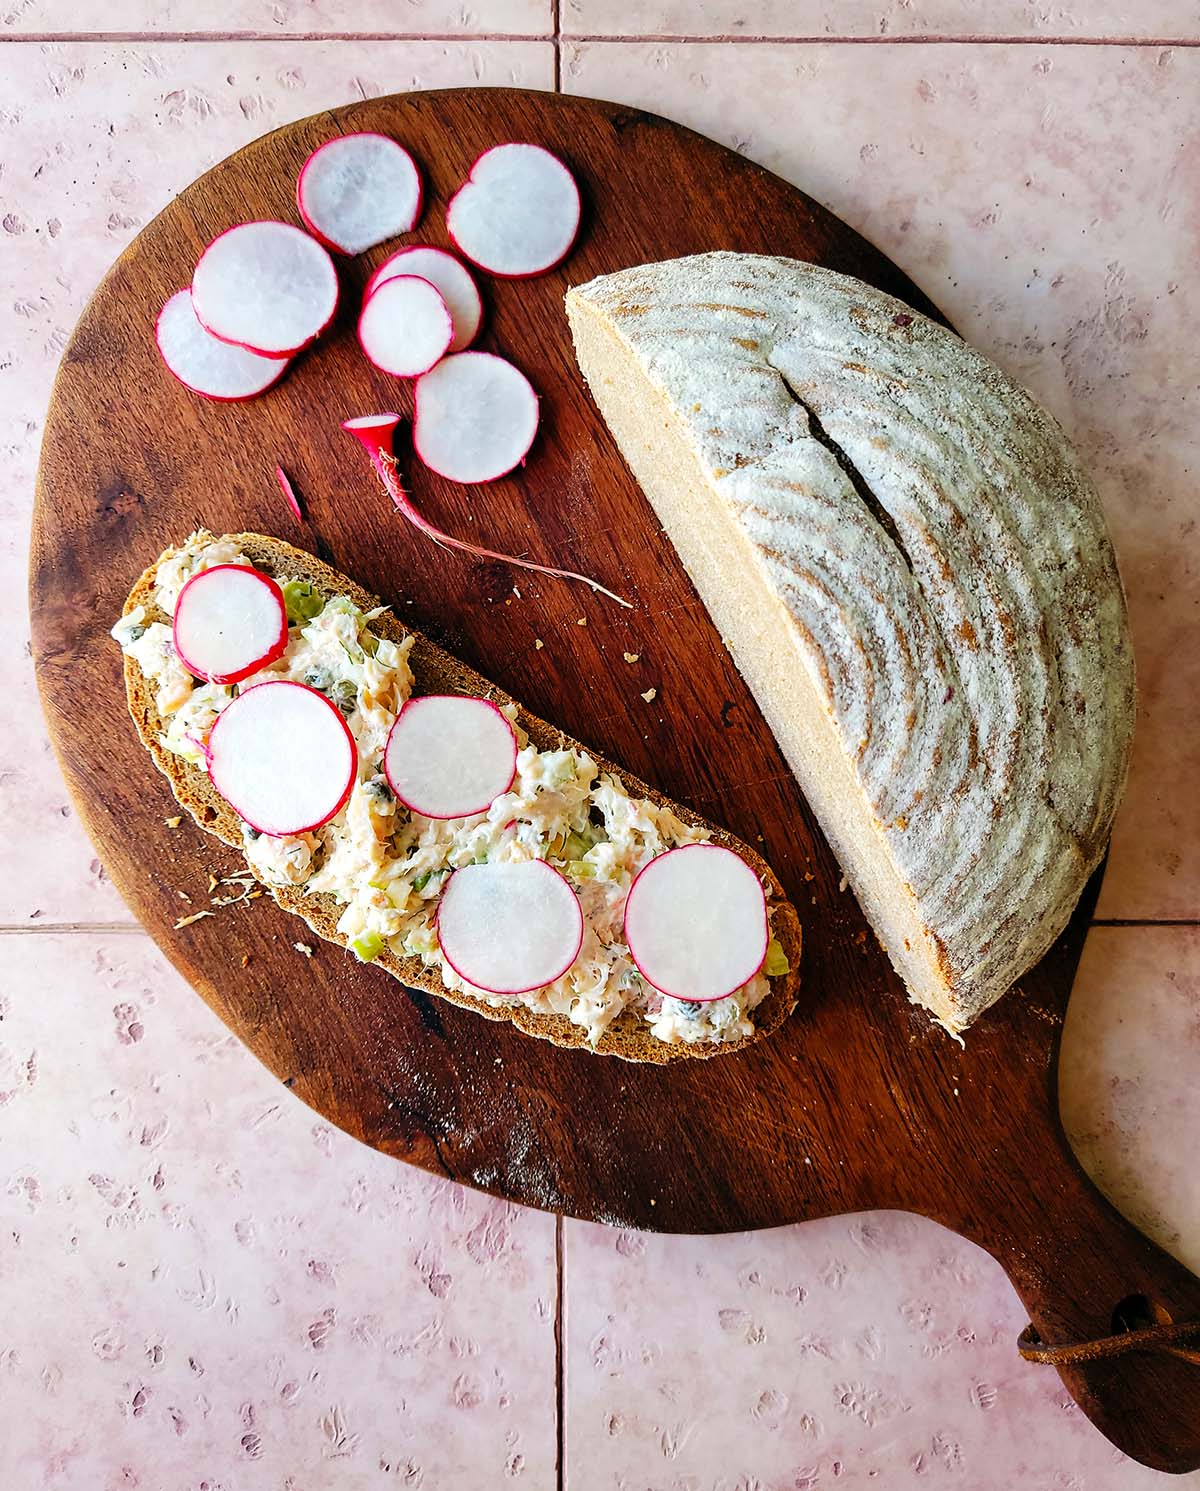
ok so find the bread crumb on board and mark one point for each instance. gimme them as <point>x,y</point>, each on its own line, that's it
<point>174,822</point>
<point>186,921</point>
<point>303,949</point>
<point>538,644</point>
<point>650,695</point>
<point>631,657</point>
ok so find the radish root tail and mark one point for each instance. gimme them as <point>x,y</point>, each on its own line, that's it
<point>388,473</point>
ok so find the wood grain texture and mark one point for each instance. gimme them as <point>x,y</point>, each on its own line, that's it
<point>858,1101</point>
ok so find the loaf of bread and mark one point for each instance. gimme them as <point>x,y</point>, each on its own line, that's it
<point>914,577</point>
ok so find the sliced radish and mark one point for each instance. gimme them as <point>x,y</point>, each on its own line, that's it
<point>445,273</point>
<point>696,922</point>
<point>509,928</point>
<point>376,432</point>
<point>405,327</point>
<point>475,417</point>
<point>289,493</point>
<point>357,190</point>
<point>282,757</point>
<point>230,621</point>
<point>265,286</point>
<point>450,757</point>
<point>517,213</point>
<point>206,365</point>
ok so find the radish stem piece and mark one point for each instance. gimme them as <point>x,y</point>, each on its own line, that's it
<point>375,433</point>
<point>289,493</point>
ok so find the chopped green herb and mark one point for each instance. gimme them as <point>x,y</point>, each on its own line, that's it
<point>775,964</point>
<point>303,602</point>
<point>367,946</point>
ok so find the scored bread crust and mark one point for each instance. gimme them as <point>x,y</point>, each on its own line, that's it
<point>437,671</point>
<point>913,574</point>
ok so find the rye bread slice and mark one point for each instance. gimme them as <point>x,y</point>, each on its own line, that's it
<point>436,671</point>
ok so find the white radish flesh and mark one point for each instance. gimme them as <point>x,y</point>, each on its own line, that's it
<point>696,922</point>
<point>450,757</point>
<point>282,757</point>
<point>475,417</point>
<point>376,433</point>
<point>265,286</point>
<point>405,327</point>
<point>509,928</point>
<point>230,621</point>
<point>206,365</point>
<point>357,190</point>
<point>450,278</point>
<point>517,213</point>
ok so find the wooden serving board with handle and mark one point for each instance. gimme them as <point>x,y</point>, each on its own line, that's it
<point>859,1101</point>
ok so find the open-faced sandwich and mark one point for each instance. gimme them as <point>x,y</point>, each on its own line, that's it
<point>411,812</point>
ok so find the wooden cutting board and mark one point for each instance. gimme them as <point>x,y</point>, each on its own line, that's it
<point>859,1101</point>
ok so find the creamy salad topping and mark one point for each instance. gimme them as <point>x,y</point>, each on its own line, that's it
<point>386,865</point>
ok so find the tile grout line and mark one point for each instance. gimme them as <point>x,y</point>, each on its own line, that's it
<point>938,39</point>
<point>556,22</point>
<point>560,1468</point>
<point>48,38</point>
<point>1143,921</point>
<point>34,929</point>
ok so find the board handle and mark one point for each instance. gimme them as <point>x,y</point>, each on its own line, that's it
<point>1086,1275</point>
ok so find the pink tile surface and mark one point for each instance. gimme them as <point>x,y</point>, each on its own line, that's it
<point>94,140</point>
<point>1129,1093</point>
<point>882,18</point>
<point>203,1284</point>
<point>280,17</point>
<point>874,1351</point>
<point>1049,200</point>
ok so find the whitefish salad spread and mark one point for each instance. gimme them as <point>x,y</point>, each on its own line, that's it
<point>387,866</point>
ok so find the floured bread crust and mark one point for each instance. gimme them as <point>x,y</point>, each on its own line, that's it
<point>914,576</point>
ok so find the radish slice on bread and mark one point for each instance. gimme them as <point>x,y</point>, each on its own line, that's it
<point>475,417</point>
<point>230,621</point>
<point>282,757</point>
<point>449,756</point>
<point>450,278</point>
<point>405,327</point>
<point>696,922</point>
<point>357,190</point>
<point>206,365</point>
<point>265,286</point>
<point>509,928</point>
<point>517,213</point>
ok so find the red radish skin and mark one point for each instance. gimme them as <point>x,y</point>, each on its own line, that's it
<point>405,328</point>
<point>720,916</point>
<point>376,433</point>
<point>448,275</point>
<point>247,279</point>
<point>446,401</point>
<point>516,191</point>
<point>289,494</point>
<point>365,218</point>
<point>261,758</point>
<point>206,602</point>
<point>204,364</point>
<point>450,756</point>
<point>499,952</point>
